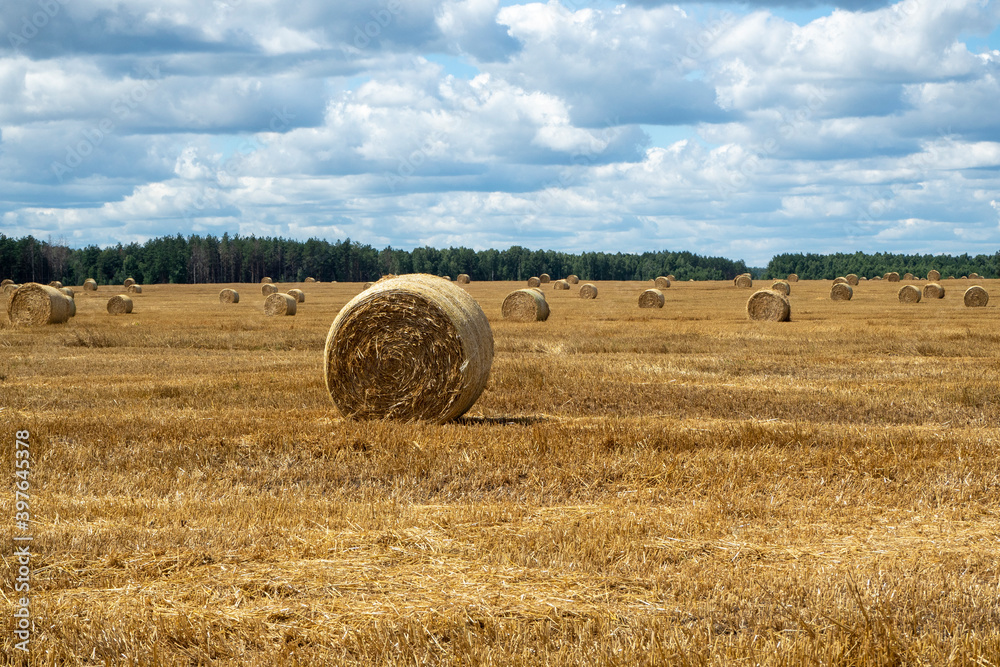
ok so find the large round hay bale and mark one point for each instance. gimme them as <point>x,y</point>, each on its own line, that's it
<point>781,286</point>
<point>588,291</point>
<point>266,279</point>
<point>933,275</point>
<point>976,297</point>
<point>769,305</point>
<point>68,291</point>
<point>671,277</point>
<point>965,277</point>
<point>534,282</point>
<point>279,304</point>
<point>662,282</point>
<point>908,276</point>
<point>544,278</point>
<point>651,298</point>
<point>841,292</point>
<point>744,281</point>
<point>10,288</point>
<point>89,285</point>
<point>5,282</point>
<point>573,279</point>
<point>933,291</point>
<point>560,284</point>
<point>525,305</point>
<point>56,284</point>
<point>229,296</point>
<point>841,281</point>
<point>852,279</point>
<point>120,304</point>
<point>310,279</point>
<point>135,289</point>
<point>128,282</point>
<point>974,276</point>
<point>367,285</point>
<point>267,289</point>
<point>463,279</point>
<point>892,277</point>
<point>299,295</point>
<point>32,304</point>
<point>413,347</point>
<point>72,307</point>
<point>792,278</point>
<point>909,294</point>
<point>876,277</point>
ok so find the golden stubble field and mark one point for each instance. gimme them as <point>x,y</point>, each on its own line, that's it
<point>634,487</point>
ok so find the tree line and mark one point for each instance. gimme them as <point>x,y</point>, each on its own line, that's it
<point>810,266</point>
<point>241,259</point>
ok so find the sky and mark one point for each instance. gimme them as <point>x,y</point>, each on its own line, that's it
<point>740,130</point>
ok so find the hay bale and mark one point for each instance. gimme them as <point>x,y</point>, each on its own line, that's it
<point>544,278</point>
<point>267,289</point>
<point>892,277</point>
<point>651,298</point>
<point>265,279</point>
<point>128,282</point>
<point>120,304</point>
<point>671,278</point>
<point>534,282</point>
<point>573,279</point>
<point>414,348</point>
<point>743,282</point>
<point>299,295</point>
<point>367,285</point>
<point>89,285</point>
<point>56,284</point>
<point>933,291</point>
<point>975,276</point>
<point>588,291</point>
<point>135,289</point>
<point>279,304</point>
<point>5,282</point>
<point>310,279</point>
<point>560,284</point>
<point>448,278</point>
<point>841,281</point>
<point>852,279</point>
<point>792,278</point>
<point>32,304</point>
<point>68,291</point>
<point>769,305</point>
<point>781,286</point>
<point>662,282</point>
<point>965,277</point>
<point>909,294</point>
<point>933,275</point>
<point>976,297</point>
<point>229,296</point>
<point>876,277</point>
<point>951,277</point>
<point>463,279</point>
<point>72,307</point>
<point>525,305</point>
<point>10,288</point>
<point>908,276</point>
<point>841,292</point>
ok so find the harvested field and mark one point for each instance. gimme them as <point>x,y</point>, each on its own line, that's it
<point>679,486</point>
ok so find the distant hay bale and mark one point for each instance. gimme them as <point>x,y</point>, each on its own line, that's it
<point>266,279</point>
<point>769,305</point>
<point>852,279</point>
<point>743,282</point>
<point>120,304</point>
<point>781,286</point>
<point>976,297</point>
<point>72,307</point>
<point>965,277</point>
<point>525,305</point>
<point>279,304</point>
<point>56,284</point>
<point>651,298</point>
<point>367,285</point>
<point>909,294</point>
<point>68,291</point>
<point>463,279</point>
<point>10,287</point>
<point>534,282</point>
<point>892,277</point>
<point>876,277</point>
<point>573,279</point>
<point>841,281</point>
<point>135,289</point>
<point>310,279</point>
<point>267,289</point>
<point>299,295</point>
<point>5,282</point>
<point>544,278</point>
<point>662,282</point>
<point>32,304</point>
<point>974,276</point>
<point>933,275</point>
<point>560,284</point>
<point>411,348</point>
<point>908,276</point>
<point>128,282</point>
<point>588,291</point>
<point>671,277</point>
<point>933,291</point>
<point>448,278</point>
<point>89,285</point>
<point>951,277</point>
<point>841,292</point>
<point>229,296</point>
<point>792,278</point>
